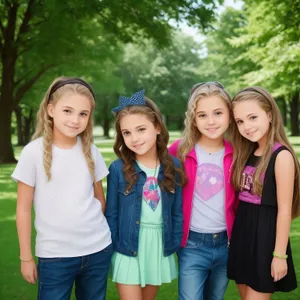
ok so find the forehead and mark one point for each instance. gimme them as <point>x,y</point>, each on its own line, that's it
<point>75,101</point>
<point>134,120</point>
<point>247,107</point>
<point>211,103</point>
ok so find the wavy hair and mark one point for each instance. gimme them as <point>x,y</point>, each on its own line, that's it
<point>191,133</point>
<point>276,134</point>
<point>44,124</point>
<point>152,113</point>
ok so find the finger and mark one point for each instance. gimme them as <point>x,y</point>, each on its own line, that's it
<point>35,275</point>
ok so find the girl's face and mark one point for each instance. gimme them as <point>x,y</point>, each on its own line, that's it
<point>139,134</point>
<point>70,114</point>
<point>252,121</point>
<point>212,117</point>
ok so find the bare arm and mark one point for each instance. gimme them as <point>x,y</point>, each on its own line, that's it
<point>284,174</point>
<point>99,194</point>
<point>23,219</point>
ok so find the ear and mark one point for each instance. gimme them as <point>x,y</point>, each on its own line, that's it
<point>50,109</point>
<point>158,130</point>
<point>270,116</point>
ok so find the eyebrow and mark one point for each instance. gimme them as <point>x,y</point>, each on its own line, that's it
<point>85,110</point>
<point>137,127</point>
<point>202,111</point>
<point>246,116</point>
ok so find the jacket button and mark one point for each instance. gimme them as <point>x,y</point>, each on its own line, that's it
<point>134,253</point>
<point>137,222</point>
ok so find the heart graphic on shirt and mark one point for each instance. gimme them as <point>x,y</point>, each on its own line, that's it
<point>209,181</point>
<point>150,192</point>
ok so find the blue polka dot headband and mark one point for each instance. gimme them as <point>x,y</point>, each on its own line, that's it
<point>137,98</point>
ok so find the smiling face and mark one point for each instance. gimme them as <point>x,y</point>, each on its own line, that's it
<point>252,121</point>
<point>139,134</point>
<point>212,117</point>
<point>70,114</point>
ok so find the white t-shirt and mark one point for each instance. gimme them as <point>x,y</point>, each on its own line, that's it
<point>68,218</point>
<point>208,210</point>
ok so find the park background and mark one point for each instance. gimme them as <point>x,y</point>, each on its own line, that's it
<point>120,47</point>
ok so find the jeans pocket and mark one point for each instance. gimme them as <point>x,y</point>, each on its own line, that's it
<point>191,244</point>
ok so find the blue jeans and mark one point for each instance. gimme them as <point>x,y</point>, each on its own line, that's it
<point>203,267</point>
<point>89,272</point>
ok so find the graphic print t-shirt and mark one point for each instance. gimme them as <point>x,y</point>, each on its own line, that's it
<point>208,208</point>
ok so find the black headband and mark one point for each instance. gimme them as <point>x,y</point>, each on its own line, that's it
<point>250,89</point>
<point>74,80</point>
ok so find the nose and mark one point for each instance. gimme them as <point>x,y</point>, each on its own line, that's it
<point>247,125</point>
<point>211,120</point>
<point>75,119</point>
<point>134,138</point>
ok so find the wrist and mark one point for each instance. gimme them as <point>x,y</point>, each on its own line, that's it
<point>25,259</point>
<point>278,255</point>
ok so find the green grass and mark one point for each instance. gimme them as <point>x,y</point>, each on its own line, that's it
<point>12,285</point>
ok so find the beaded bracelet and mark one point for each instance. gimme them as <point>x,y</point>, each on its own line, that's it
<point>280,256</point>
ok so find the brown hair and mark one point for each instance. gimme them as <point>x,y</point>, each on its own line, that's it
<point>276,134</point>
<point>191,133</point>
<point>151,111</point>
<point>44,124</point>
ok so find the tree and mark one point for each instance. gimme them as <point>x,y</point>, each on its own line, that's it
<point>272,41</point>
<point>53,30</point>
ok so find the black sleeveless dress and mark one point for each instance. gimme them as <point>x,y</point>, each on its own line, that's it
<point>254,234</point>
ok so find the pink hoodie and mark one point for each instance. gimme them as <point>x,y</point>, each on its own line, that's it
<point>190,167</point>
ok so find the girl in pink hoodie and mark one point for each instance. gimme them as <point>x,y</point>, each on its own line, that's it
<point>209,201</point>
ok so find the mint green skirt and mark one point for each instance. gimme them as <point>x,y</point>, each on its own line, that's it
<point>150,266</point>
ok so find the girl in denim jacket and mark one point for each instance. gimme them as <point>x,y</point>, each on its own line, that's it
<point>209,201</point>
<point>143,206</point>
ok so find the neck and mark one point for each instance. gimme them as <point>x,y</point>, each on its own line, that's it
<point>211,145</point>
<point>149,160</point>
<point>262,144</point>
<point>62,141</point>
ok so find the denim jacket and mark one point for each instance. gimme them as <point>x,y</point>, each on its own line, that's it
<point>123,211</point>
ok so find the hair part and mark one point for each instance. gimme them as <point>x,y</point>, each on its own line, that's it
<point>276,134</point>
<point>152,113</point>
<point>44,124</point>
<point>191,134</point>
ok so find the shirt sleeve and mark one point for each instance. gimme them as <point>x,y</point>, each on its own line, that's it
<point>101,170</point>
<point>25,170</point>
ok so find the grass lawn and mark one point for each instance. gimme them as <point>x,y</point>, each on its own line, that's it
<point>12,285</point>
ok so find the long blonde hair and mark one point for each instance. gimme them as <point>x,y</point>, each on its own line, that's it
<point>44,123</point>
<point>152,113</point>
<point>191,133</point>
<point>243,147</point>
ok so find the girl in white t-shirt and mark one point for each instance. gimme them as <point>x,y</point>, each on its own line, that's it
<point>60,171</point>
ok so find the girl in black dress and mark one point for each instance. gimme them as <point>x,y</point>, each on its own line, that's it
<point>266,174</point>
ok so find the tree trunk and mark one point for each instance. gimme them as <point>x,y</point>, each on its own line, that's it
<point>294,115</point>
<point>28,127</point>
<point>8,60</point>
<point>106,127</point>
<point>18,113</point>
<point>284,112</point>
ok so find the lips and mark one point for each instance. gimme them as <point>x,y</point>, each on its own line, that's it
<point>71,127</point>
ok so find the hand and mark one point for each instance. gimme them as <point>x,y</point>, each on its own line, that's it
<point>278,268</point>
<point>29,271</point>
